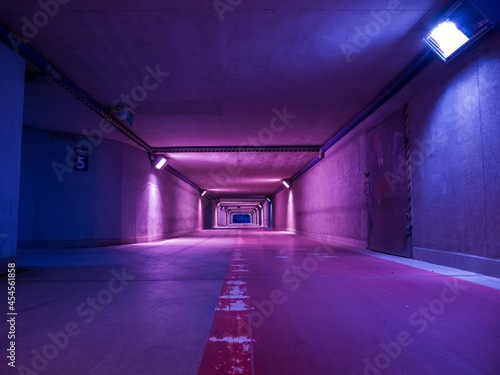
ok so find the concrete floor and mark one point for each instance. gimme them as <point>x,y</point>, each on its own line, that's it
<point>249,302</point>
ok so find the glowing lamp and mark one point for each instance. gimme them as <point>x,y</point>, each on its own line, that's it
<point>457,29</point>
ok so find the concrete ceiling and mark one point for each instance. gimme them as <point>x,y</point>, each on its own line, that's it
<point>242,206</point>
<point>264,73</point>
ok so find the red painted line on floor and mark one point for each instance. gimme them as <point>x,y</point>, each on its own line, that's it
<point>229,348</point>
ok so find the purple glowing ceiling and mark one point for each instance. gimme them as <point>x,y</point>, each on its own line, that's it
<point>266,73</point>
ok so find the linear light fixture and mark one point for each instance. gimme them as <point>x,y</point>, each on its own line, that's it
<point>203,193</point>
<point>457,29</point>
<point>160,162</point>
<point>287,183</point>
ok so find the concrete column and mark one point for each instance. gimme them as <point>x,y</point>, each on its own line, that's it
<point>271,216</point>
<point>266,215</point>
<point>215,213</point>
<point>11,122</point>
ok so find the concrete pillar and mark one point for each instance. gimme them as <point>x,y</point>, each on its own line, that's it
<point>11,122</point>
<point>215,214</point>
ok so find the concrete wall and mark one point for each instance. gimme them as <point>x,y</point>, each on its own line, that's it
<point>266,212</point>
<point>281,211</point>
<point>11,119</point>
<point>457,186</point>
<point>327,203</point>
<point>455,133</point>
<point>121,199</point>
<point>158,203</point>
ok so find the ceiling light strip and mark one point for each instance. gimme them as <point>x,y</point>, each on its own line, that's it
<point>215,149</point>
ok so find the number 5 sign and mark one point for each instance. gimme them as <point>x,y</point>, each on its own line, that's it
<point>81,159</point>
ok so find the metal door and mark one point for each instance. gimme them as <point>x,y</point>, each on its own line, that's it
<point>388,198</point>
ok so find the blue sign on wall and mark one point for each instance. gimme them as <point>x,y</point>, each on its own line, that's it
<point>81,159</point>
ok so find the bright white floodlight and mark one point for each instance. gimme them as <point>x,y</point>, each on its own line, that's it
<point>448,38</point>
<point>459,27</point>
<point>161,163</point>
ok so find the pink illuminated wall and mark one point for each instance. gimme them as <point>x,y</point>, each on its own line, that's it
<point>121,199</point>
<point>454,127</point>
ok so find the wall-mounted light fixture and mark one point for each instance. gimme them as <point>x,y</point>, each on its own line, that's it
<point>159,161</point>
<point>287,183</point>
<point>203,193</point>
<point>457,29</point>
<point>268,199</point>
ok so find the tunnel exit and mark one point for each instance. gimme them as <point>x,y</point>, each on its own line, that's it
<point>241,219</point>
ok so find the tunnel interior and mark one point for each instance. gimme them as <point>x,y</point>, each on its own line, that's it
<point>264,188</point>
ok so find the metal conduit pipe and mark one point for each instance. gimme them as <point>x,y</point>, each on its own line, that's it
<point>212,149</point>
<point>185,179</point>
<point>12,40</point>
<point>16,43</point>
<point>405,76</point>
